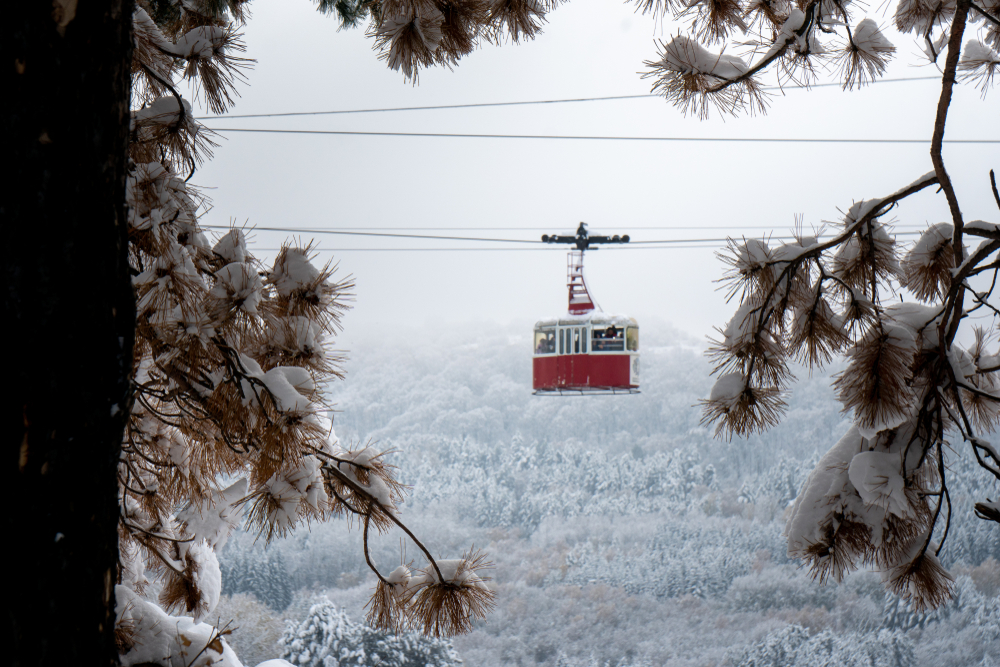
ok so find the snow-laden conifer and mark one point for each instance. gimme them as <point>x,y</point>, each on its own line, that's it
<point>880,497</point>
<point>229,361</point>
<point>328,638</point>
<point>793,645</point>
<point>728,45</point>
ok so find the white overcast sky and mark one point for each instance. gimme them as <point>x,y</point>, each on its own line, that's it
<point>587,49</point>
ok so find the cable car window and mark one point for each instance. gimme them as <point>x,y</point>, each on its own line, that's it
<point>576,341</point>
<point>632,339</point>
<point>583,339</point>
<point>545,341</point>
<point>608,339</point>
<point>561,348</point>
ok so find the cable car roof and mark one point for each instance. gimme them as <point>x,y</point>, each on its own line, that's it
<point>593,317</point>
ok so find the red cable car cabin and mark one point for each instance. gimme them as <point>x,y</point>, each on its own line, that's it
<point>587,354</point>
<point>585,351</point>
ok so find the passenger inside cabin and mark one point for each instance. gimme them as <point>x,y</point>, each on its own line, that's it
<point>607,340</point>
<point>546,343</point>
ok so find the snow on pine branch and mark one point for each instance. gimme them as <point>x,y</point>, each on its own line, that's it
<point>147,635</point>
<point>865,55</point>
<point>922,16</point>
<point>326,636</point>
<point>442,599</point>
<point>230,360</point>
<point>413,34</point>
<point>207,53</point>
<point>881,492</point>
<point>979,63</point>
<point>411,39</point>
<point>799,41</point>
<point>691,76</point>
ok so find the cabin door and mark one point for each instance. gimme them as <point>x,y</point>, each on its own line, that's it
<point>564,361</point>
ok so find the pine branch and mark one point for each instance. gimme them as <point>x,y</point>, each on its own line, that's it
<point>986,15</point>
<point>356,488</point>
<point>947,85</point>
<point>993,184</point>
<point>368,558</point>
<point>807,24</point>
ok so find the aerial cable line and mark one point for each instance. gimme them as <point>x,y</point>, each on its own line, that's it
<point>490,240</point>
<point>769,238</point>
<point>404,236</point>
<point>715,246</point>
<point>508,104</point>
<point>765,227</point>
<point>760,140</point>
<point>547,248</point>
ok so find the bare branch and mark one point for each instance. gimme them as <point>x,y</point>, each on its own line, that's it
<point>356,488</point>
<point>947,85</point>
<point>993,184</point>
<point>368,558</point>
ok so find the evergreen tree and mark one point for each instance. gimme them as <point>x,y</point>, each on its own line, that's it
<point>199,365</point>
<point>279,588</point>
<point>792,646</point>
<point>259,572</point>
<point>188,361</point>
<point>233,569</point>
<point>328,638</point>
<point>69,317</point>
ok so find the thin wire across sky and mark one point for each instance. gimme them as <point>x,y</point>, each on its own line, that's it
<point>581,137</point>
<point>560,137</point>
<point>438,107</point>
<point>534,245</point>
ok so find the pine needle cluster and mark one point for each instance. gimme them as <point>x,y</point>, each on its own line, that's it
<point>716,61</point>
<point>443,599</point>
<point>410,35</point>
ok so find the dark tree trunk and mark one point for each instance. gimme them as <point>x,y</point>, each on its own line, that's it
<point>68,319</point>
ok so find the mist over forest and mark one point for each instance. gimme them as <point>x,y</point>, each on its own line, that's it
<point>622,531</point>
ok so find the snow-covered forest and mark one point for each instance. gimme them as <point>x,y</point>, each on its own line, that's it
<point>622,532</point>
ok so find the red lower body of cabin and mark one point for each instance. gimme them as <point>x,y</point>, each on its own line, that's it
<point>582,371</point>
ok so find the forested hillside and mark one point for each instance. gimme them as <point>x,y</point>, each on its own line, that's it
<point>622,531</point>
<point>474,382</point>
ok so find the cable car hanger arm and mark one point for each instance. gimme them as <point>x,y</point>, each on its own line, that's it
<point>583,240</point>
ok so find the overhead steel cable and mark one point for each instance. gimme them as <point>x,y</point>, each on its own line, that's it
<point>523,103</point>
<point>769,237</point>
<point>766,228</point>
<point>547,248</point>
<point>294,230</point>
<point>404,236</point>
<point>456,135</point>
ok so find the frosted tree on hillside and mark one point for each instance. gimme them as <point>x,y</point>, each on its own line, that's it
<point>229,360</point>
<point>880,496</point>
<point>259,572</point>
<point>328,638</point>
<point>792,645</point>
